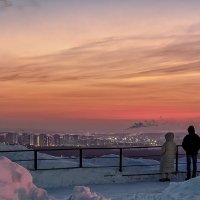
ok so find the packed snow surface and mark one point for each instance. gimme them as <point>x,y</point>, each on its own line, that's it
<point>16,184</point>
<point>187,190</point>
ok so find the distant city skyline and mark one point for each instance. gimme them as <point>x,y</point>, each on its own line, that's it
<point>91,127</point>
<point>98,65</point>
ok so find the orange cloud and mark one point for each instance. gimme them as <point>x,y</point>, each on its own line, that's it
<point>126,78</point>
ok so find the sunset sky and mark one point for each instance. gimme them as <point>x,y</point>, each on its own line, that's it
<point>67,63</point>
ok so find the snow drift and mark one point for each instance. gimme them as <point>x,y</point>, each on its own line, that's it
<point>16,183</point>
<point>84,193</point>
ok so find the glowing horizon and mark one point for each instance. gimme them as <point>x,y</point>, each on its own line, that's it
<point>99,60</point>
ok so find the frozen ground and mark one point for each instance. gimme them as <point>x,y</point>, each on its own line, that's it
<point>17,183</point>
<point>115,191</point>
<point>185,190</point>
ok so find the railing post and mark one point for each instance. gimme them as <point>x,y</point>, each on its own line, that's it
<point>81,158</point>
<point>177,159</point>
<point>35,159</point>
<point>120,159</point>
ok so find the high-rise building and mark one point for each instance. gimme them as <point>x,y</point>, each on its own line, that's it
<point>57,139</point>
<point>2,138</point>
<point>42,139</point>
<point>26,139</point>
<point>11,138</point>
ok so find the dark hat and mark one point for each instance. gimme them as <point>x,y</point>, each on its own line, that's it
<point>191,129</point>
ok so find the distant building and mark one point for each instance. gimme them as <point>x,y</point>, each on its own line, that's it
<point>66,140</point>
<point>26,139</point>
<point>11,138</point>
<point>42,139</point>
<point>2,138</point>
<point>36,140</point>
<point>57,139</point>
<point>50,140</point>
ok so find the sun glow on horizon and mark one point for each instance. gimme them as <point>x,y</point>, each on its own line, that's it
<point>99,60</point>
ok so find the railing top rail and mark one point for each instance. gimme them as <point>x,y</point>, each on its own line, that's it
<point>85,148</point>
<point>18,150</point>
<point>93,148</point>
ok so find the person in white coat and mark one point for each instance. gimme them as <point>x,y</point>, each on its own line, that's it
<point>168,154</point>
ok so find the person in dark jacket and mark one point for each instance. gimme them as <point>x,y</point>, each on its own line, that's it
<point>191,145</point>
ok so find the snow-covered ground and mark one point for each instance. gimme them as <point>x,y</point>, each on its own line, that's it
<point>17,183</point>
<point>89,175</point>
<point>115,191</point>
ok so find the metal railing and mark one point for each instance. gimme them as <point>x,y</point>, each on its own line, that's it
<point>35,159</point>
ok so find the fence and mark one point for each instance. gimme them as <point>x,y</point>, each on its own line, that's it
<point>143,159</point>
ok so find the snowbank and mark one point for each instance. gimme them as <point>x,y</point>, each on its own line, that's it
<point>185,190</point>
<point>84,193</point>
<point>87,175</point>
<point>175,191</point>
<point>16,183</point>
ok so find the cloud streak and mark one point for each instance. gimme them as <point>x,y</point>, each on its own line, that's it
<point>118,68</point>
<point>5,4</point>
<point>111,59</point>
<point>122,75</point>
